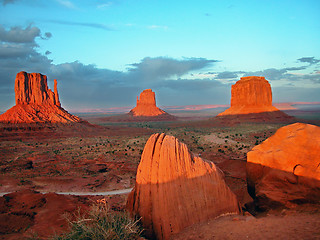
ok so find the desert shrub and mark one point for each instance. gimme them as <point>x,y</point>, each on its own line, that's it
<point>101,223</point>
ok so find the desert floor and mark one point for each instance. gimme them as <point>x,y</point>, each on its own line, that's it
<point>38,165</point>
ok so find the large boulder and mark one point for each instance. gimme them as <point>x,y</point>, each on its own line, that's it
<point>35,102</point>
<point>175,189</point>
<point>285,168</point>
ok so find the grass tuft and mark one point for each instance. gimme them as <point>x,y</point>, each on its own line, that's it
<point>101,223</point>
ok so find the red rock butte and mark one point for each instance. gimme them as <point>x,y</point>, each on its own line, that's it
<point>175,189</point>
<point>35,102</point>
<point>146,105</point>
<point>285,168</point>
<point>250,95</point>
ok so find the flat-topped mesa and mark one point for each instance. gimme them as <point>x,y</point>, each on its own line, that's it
<point>175,189</point>
<point>146,105</point>
<point>32,88</point>
<point>35,102</point>
<point>250,95</point>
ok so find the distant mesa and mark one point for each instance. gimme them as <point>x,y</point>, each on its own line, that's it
<point>145,111</point>
<point>285,168</point>
<point>35,102</point>
<point>146,105</point>
<point>252,96</point>
<point>175,189</point>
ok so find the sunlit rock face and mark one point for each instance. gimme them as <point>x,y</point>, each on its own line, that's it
<point>35,102</point>
<point>146,105</point>
<point>32,88</point>
<point>175,189</point>
<point>285,168</point>
<point>250,95</point>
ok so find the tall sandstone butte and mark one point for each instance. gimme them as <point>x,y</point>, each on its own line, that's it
<point>285,168</point>
<point>146,105</point>
<point>250,95</point>
<point>35,102</point>
<point>175,189</point>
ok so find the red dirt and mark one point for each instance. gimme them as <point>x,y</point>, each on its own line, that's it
<point>83,157</point>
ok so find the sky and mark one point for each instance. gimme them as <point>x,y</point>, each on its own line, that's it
<point>105,52</point>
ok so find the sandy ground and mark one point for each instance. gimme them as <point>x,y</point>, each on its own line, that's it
<point>93,161</point>
<point>287,225</point>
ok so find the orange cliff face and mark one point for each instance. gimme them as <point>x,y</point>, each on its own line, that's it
<point>175,189</point>
<point>35,102</point>
<point>250,95</point>
<point>32,88</point>
<point>146,106</point>
<point>285,168</point>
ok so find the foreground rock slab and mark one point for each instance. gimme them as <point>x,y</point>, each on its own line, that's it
<point>175,189</point>
<point>285,168</point>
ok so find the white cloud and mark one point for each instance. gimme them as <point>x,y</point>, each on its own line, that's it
<point>104,5</point>
<point>158,27</point>
<point>67,4</point>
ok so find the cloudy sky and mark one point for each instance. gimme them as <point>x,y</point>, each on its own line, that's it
<point>105,52</point>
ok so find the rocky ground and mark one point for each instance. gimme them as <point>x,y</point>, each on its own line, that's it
<point>46,160</point>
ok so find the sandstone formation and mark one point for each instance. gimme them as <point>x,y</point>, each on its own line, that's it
<point>250,95</point>
<point>285,168</point>
<point>175,189</point>
<point>146,105</point>
<point>35,102</point>
<point>251,100</point>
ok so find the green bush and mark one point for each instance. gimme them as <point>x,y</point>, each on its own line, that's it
<point>101,223</point>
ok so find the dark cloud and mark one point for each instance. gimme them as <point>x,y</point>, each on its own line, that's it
<point>87,83</point>
<point>18,52</point>
<point>228,74</point>
<point>295,68</point>
<point>152,69</point>
<point>270,74</point>
<point>87,86</point>
<point>5,2</point>
<point>310,60</point>
<point>315,78</point>
<point>48,35</point>
<point>190,85</point>
<point>294,94</point>
<point>84,24</point>
<point>19,35</point>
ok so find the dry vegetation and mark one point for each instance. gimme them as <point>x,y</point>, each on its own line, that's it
<point>103,163</point>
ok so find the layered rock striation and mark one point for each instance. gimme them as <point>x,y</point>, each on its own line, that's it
<point>35,102</point>
<point>175,189</point>
<point>251,101</point>
<point>250,95</point>
<point>146,105</point>
<point>32,88</point>
<point>285,168</point>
